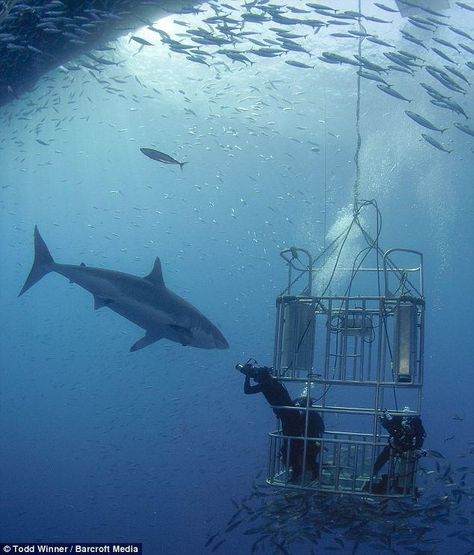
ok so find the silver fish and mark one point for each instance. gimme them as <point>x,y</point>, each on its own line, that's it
<point>435,143</point>
<point>423,121</point>
<point>392,92</point>
<point>161,157</point>
<point>465,128</point>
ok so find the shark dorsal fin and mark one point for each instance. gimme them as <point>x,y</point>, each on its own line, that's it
<point>82,264</point>
<point>156,276</point>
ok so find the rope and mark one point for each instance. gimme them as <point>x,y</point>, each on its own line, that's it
<point>325,174</point>
<point>356,191</point>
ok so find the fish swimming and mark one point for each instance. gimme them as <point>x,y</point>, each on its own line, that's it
<point>141,41</point>
<point>465,128</point>
<point>146,302</point>
<point>161,157</point>
<point>392,92</point>
<point>449,105</point>
<point>435,143</point>
<point>423,121</point>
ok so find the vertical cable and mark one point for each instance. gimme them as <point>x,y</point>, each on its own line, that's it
<point>359,139</point>
<point>325,173</point>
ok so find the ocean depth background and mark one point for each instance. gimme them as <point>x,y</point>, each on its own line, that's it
<point>100,444</point>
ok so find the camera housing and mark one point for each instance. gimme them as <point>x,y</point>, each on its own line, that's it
<point>248,369</point>
<point>251,369</point>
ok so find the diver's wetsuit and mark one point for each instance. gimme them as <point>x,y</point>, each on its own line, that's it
<point>406,434</point>
<point>292,424</point>
<point>277,396</point>
<point>315,429</point>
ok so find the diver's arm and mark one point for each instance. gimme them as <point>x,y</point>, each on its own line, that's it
<point>250,389</point>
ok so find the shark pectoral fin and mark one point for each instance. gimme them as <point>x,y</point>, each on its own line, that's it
<point>99,302</point>
<point>185,334</point>
<point>145,341</point>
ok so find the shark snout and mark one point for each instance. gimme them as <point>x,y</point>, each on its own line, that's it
<point>221,343</point>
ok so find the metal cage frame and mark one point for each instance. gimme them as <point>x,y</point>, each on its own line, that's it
<point>363,355</point>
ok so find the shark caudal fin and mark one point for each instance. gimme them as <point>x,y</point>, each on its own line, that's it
<point>42,264</point>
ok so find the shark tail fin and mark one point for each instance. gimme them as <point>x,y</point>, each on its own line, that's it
<point>42,264</point>
<point>181,164</point>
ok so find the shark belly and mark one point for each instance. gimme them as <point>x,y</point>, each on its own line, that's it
<point>190,331</point>
<point>147,317</point>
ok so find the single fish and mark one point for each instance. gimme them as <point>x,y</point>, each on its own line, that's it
<point>410,55</point>
<point>420,120</point>
<point>376,19</point>
<point>372,76</point>
<point>435,143</point>
<point>161,157</point>
<point>376,40</point>
<point>295,63</point>
<point>450,105</point>
<point>465,6</point>
<point>465,128</point>
<point>146,302</point>
<point>368,64</point>
<point>401,69</point>
<point>442,54</point>
<point>457,73</point>
<point>406,35</point>
<point>466,48</point>
<point>322,7</point>
<point>267,52</point>
<point>385,8</point>
<point>445,43</point>
<point>392,92</point>
<point>141,41</point>
<point>342,35</point>
<point>333,58</point>
<point>433,453</point>
<point>461,33</point>
<point>254,17</point>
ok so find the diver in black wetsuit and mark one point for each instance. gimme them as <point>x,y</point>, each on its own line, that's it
<point>314,428</point>
<point>278,397</point>
<point>406,434</point>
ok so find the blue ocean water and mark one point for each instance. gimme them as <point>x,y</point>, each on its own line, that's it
<point>157,446</point>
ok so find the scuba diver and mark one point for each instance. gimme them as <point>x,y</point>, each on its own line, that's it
<point>275,393</point>
<point>312,427</point>
<point>279,399</point>
<point>407,434</point>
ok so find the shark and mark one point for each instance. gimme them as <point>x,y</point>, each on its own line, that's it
<point>145,301</point>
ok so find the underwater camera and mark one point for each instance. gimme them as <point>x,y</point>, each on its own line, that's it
<point>251,369</point>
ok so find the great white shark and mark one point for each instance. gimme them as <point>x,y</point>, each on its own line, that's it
<point>145,301</point>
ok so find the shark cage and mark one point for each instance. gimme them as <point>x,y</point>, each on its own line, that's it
<point>357,360</point>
